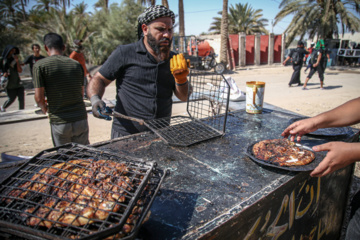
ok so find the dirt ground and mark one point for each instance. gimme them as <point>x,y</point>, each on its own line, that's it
<point>30,137</point>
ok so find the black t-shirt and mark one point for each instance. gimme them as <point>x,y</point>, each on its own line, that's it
<point>32,60</point>
<point>144,86</point>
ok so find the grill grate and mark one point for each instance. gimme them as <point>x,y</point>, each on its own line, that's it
<point>98,193</point>
<point>207,109</point>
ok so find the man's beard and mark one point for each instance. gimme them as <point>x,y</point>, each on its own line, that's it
<point>162,52</point>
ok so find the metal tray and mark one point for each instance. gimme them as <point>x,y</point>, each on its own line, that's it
<point>13,221</point>
<point>327,133</point>
<point>309,167</point>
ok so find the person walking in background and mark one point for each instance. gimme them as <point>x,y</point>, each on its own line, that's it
<point>308,56</point>
<point>62,79</point>
<point>79,56</point>
<point>144,82</point>
<point>11,68</point>
<point>297,56</point>
<point>327,52</point>
<point>317,64</point>
<point>339,154</point>
<point>32,59</point>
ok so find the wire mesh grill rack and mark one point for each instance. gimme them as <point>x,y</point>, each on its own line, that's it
<point>78,192</point>
<point>207,109</point>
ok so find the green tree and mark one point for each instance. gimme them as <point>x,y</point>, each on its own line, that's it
<point>242,18</point>
<point>319,19</point>
<point>9,12</point>
<point>112,29</point>
<point>43,5</point>
<point>104,4</point>
<point>70,26</point>
<point>80,10</point>
<point>64,3</point>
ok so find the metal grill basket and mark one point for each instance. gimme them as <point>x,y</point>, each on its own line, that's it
<point>19,205</point>
<point>207,109</point>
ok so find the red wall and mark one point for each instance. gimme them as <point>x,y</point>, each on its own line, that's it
<point>250,50</point>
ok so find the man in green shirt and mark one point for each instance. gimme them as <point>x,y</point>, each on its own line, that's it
<point>62,79</point>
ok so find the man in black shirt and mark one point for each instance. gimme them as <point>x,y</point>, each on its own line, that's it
<point>297,56</point>
<point>32,59</point>
<point>144,82</point>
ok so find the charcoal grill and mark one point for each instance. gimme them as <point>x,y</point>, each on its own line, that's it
<point>207,109</point>
<point>145,180</point>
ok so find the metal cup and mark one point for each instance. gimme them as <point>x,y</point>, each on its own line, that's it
<point>255,97</point>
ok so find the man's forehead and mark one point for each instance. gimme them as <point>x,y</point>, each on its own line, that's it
<point>162,21</point>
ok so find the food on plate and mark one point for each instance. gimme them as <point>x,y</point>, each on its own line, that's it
<point>282,152</point>
<point>75,193</point>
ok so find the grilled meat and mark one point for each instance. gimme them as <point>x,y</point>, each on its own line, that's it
<point>75,193</point>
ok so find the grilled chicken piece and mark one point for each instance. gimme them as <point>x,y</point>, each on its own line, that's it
<point>127,228</point>
<point>105,207</point>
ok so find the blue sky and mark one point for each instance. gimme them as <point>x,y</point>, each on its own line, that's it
<point>199,13</point>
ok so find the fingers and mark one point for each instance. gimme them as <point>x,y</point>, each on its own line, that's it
<point>292,132</point>
<point>329,164</point>
<point>321,171</point>
<point>182,61</point>
<point>98,106</point>
<point>178,62</point>
<point>172,65</point>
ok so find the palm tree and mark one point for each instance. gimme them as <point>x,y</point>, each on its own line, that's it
<point>165,3</point>
<point>112,29</point>
<point>9,12</point>
<point>64,3</point>
<point>72,25</point>
<point>322,19</point>
<point>181,26</point>
<point>104,4</point>
<point>23,4</point>
<point>42,5</point>
<point>242,18</point>
<point>80,9</point>
<point>224,33</point>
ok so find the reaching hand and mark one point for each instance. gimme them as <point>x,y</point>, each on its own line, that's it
<point>340,154</point>
<point>300,128</point>
<point>179,68</point>
<point>97,104</point>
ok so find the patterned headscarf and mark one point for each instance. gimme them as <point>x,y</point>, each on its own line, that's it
<point>152,13</point>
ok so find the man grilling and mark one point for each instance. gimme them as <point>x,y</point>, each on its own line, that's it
<point>144,82</point>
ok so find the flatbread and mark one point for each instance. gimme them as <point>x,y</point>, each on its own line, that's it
<point>282,152</point>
